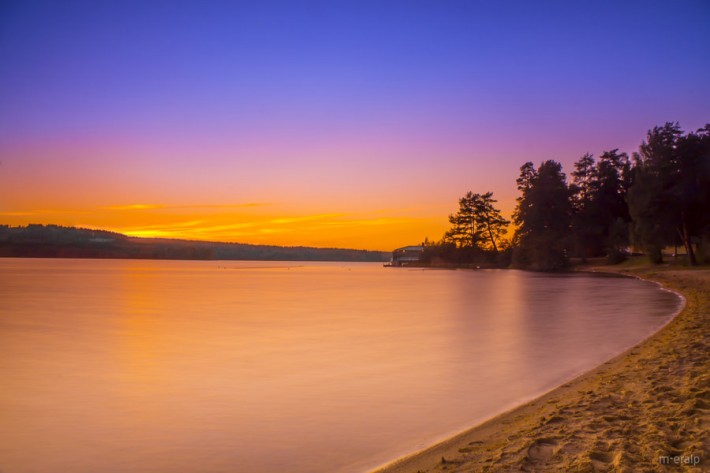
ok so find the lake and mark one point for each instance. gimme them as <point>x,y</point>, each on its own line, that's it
<point>226,366</point>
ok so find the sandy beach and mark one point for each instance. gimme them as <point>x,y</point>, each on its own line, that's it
<point>645,410</point>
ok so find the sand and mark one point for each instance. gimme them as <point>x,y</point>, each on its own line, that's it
<point>646,410</point>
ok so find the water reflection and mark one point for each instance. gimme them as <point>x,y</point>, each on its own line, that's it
<point>147,366</point>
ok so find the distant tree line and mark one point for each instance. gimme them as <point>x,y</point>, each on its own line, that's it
<point>659,197</point>
<point>54,241</point>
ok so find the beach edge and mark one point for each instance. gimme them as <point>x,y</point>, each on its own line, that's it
<point>485,437</point>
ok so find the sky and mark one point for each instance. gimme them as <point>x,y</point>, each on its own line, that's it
<point>351,124</point>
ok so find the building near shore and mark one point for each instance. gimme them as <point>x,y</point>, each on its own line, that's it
<point>407,255</point>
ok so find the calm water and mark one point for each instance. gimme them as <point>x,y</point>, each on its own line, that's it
<point>156,366</point>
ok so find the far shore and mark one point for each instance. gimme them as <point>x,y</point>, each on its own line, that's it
<point>645,410</point>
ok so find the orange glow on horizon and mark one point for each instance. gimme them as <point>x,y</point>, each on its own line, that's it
<point>360,200</point>
<point>374,230</point>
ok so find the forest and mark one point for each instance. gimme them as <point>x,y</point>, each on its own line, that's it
<point>656,202</point>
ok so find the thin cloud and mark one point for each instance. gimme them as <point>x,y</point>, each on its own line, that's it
<point>187,206</point>
<point>208,230</point>
<point>222,206</point>
<point>168,226</point>
<point>305,218</point>
<point>133,207</point>
<point>373,221</point>
<point>43,212</point>
<point>228,227</point>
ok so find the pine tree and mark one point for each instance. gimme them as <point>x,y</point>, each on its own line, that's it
<point>668,200</point>
<point>543,217</point>
<point>478,224</point>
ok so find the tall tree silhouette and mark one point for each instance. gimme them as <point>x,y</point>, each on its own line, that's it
<point>478,223</point>
<point>543,217</point>
<point>669,197</point>
<point>612,213</point>
<point>600,214</point>
<point>464,230</point>
<point>582,189</point>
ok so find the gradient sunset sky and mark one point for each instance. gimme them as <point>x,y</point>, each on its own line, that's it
<point>332,123</point>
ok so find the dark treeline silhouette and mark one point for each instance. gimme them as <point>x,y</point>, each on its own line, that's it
<point>600,215</point>
<point>658,198</point>
<point>475,237</point>
<point>669,199</point>
<point>543,216</point>
<point>53,241</point>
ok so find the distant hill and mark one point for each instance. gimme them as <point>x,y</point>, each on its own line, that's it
<point>53,241</point>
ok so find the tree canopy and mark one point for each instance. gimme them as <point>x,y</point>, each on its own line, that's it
<point>477,223</point>
<point>669,199</point>
<point>658,198</point>
<point>600,215</point>
<point>543,217</point>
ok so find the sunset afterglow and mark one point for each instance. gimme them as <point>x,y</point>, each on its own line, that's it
<point>339,124</point>
<point>386,236</point>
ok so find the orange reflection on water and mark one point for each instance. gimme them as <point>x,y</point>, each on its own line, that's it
<point>148,366</point>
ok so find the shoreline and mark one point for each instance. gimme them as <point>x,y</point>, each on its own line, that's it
<point>618,416</point>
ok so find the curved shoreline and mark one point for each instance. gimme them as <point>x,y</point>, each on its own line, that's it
<point>591,423</point>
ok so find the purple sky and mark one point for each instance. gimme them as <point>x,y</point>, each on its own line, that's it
<point>356,115</point>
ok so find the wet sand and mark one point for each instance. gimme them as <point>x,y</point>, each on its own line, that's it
<point>645,410</point>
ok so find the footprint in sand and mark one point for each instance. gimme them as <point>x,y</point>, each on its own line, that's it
<point>541,450</point>
<point>600,460</point>
<point>680,445</point>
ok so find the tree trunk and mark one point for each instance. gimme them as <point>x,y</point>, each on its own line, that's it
<point>473,232</point>
<point>688,245</point>
<point>493,240</point>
